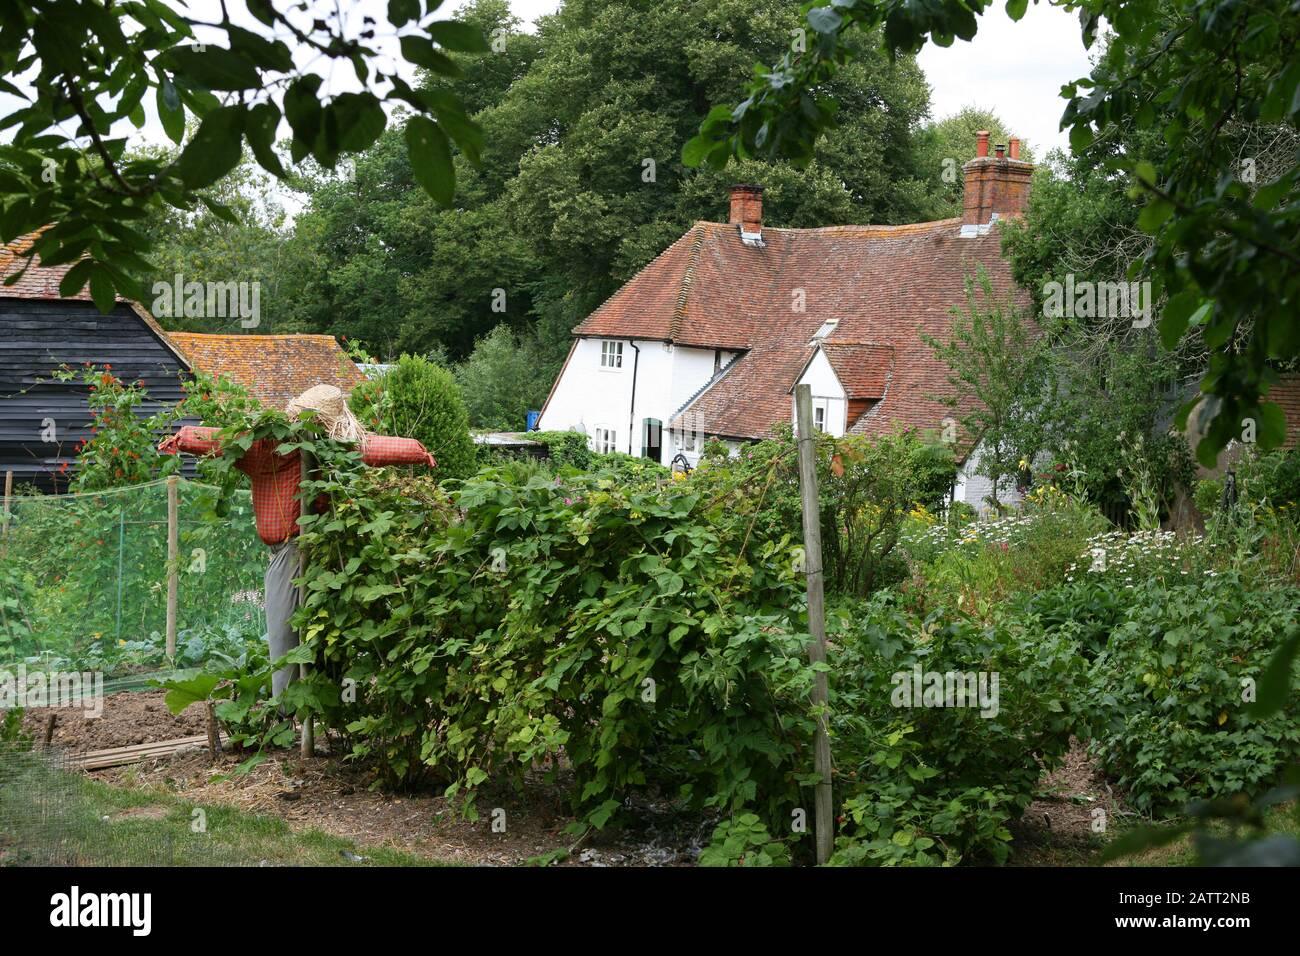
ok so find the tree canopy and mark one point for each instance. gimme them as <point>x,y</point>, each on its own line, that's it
<point>1195,75</point>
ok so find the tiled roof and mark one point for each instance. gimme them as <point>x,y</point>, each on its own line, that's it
<point>863,368</point>
<point>884,284</point>
<point>42,282</point>
<point>274,368</point>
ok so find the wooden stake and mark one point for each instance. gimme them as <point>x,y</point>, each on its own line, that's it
<point>812,543</point>
<point>308,731</point>
<point>173,570</point>
<point>9,490</point>
<point>49,729</point>
<point>214,736</point>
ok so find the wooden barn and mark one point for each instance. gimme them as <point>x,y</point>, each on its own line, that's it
<point>40,331</point>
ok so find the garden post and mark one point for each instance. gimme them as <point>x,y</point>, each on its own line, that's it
<point>173,571</point>
<point>308,732</point>
<point>9,490</point>
<point>812,542</point>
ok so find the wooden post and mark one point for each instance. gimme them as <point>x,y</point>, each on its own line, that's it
<point>173,561</point>
<point>812,543</point>
<point>308,731</point>
<point>9,490</point>
<point>214,734</point>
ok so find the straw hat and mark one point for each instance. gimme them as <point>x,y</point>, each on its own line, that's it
<point>331,410</point>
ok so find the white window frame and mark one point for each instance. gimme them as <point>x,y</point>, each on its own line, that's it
<point>611,355</point>
<point>819,416</point>
<point>604,440</point>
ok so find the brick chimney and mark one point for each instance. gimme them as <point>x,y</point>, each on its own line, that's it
<point>747,210</point>
<point>996,185</point>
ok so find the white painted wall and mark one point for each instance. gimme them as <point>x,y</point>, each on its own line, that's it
<point>827,394</point>
<point>592,397</point>
<point>974,489</point>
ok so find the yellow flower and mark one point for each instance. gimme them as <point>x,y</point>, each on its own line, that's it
<point>121,643</point>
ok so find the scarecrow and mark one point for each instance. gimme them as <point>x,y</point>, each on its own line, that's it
<point>277,498</point>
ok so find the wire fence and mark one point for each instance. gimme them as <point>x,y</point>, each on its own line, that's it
<point>83,580</point>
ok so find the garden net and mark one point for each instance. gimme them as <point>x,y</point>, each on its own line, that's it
<point>53,815</point>
<point>83,581</point>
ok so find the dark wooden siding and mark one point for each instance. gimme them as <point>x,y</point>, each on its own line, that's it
<point>38,336</point>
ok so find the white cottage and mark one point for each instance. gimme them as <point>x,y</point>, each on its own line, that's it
<point>711,337</point>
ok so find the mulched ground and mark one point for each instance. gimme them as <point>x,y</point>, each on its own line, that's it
<point>128,718</point>
<point>330,794</point>
<point>1058,826</point>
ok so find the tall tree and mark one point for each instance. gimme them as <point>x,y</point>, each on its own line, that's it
<point>580,184</point>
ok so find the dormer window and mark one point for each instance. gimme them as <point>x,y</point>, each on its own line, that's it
<point>611,354</point>
<point>827,328</point>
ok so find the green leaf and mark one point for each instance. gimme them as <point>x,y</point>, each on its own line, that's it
<point>461,37</point>
<point>421,52</point>
<point>183,693</point>
<point>1177,313</point>
<point>402,12</point>
<point>824,19</point>
<point>1154,215</point>
<point>211,69</point>
<point>214,150</point>
<point>1016,8</point>
<point>74,280</point>
<point>259,128</point>
<point>431,159</point>
<point>170,111</point>
<point>102,289</point>
<point>360,120</point>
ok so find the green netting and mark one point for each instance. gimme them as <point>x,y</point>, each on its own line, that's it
<point>83,580</point>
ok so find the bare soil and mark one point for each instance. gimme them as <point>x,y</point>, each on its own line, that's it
<point>128,718</point>
<point>1068,820</point>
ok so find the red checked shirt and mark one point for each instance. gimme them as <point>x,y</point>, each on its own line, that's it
<point>275,478</point>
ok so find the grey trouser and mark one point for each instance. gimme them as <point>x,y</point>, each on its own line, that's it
<point>281,599</point>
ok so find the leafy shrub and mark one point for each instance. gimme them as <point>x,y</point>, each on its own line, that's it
<point>866,487</point>
<point>1271,479</point>
<point>502,379</point>
<point>417,399</point>
<point>566,448</point>
<point>744,841</point>
<point>934,785</point>
<point>122,448</point>
<point>975,566</point>
<point>1173,721</point>
<point>626,624</point>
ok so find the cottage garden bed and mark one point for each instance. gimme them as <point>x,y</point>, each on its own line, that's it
<point>624,646</point>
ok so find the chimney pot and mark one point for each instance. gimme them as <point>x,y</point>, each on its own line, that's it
<point>747,208</point>
<point>994,187</point>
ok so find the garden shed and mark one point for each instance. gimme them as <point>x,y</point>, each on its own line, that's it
<point>42,420</point>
